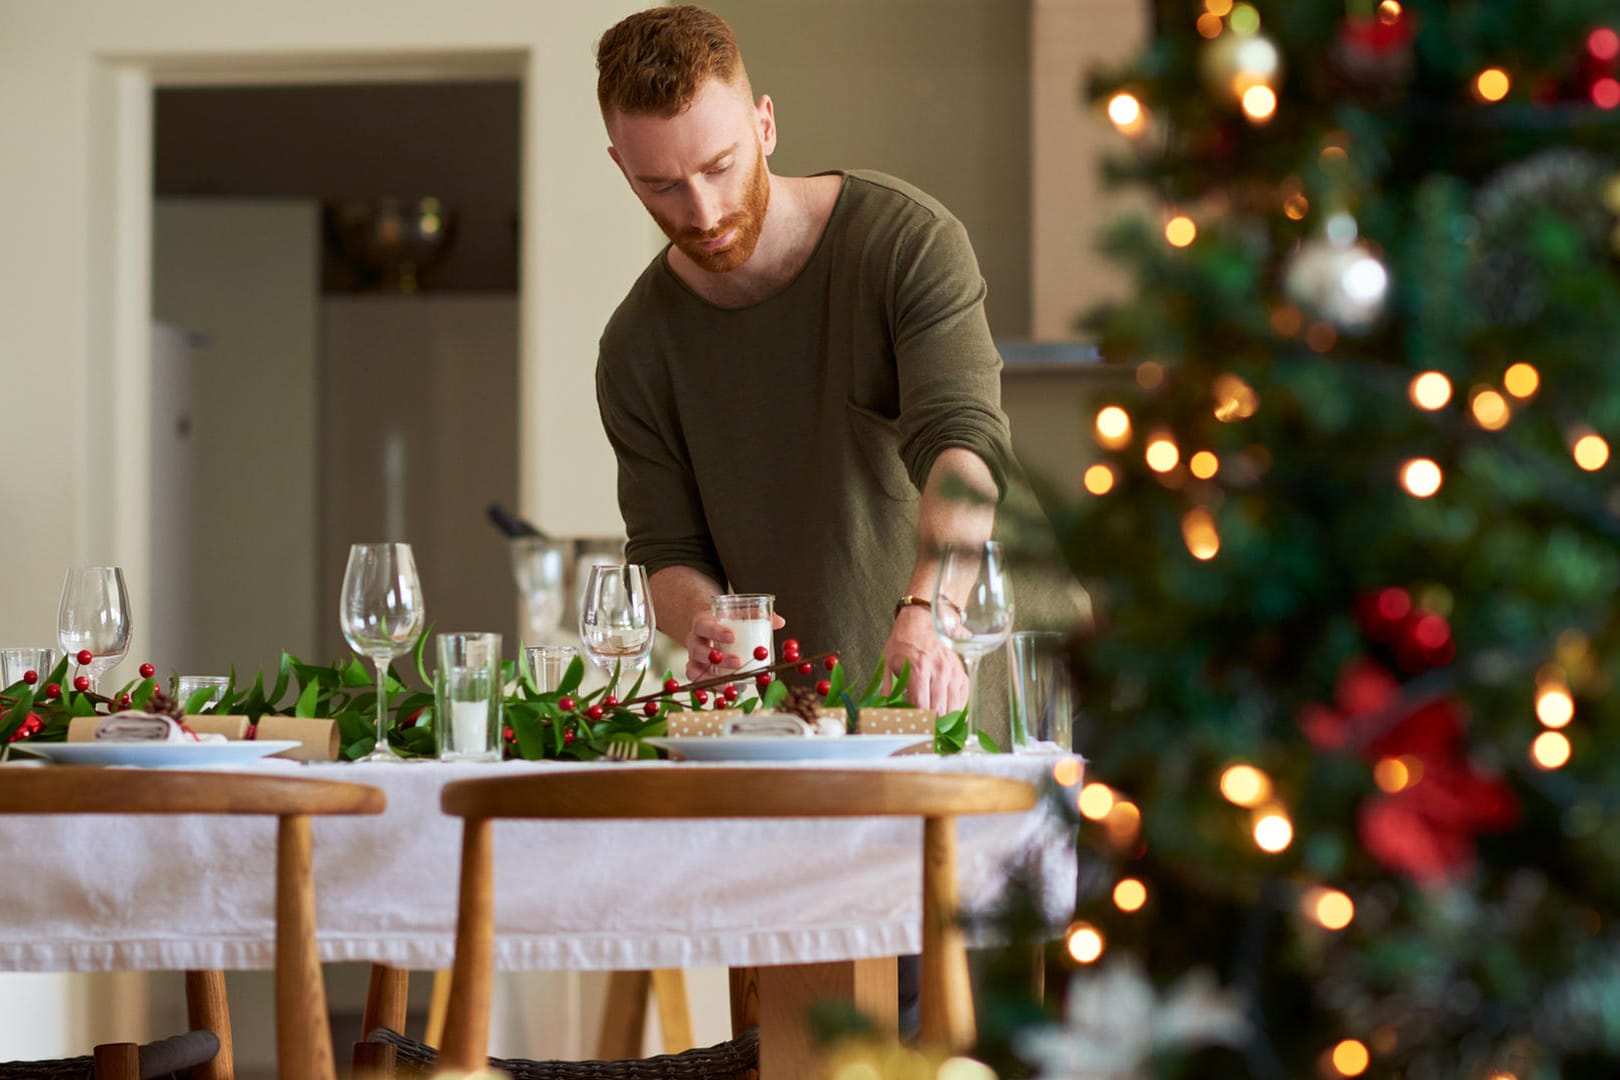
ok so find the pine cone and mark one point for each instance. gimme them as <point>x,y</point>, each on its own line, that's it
<point>164,705</point>
<point>803,702</point>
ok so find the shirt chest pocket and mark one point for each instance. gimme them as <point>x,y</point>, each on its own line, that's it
<point>875,442</point>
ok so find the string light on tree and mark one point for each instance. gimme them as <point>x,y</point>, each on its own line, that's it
<point>1113,427</point>
<point>1245,786</point>
<point>1202,538</point>
<point>1492,84</point>
<point>1429,391</point>
<point>1234,399</point>
<point>1095,801</point>
<point>1550,750</point>
<point>1273,832</point>
<point>1396,774</point>
<point>1161,454</point>
<point>1126,113</point>
<point>1421,477</point>
<point>1554,706</point>
<point>1204,465</point>
<point>1591,452</point>
<point>1350,1058</point>
<point>1259,103</point>
<point>1099,479</point>
<point>1489,409</point>
<point>1329,908</point>
<point>1389,12</point>
<point>1129,895</point>
<point>1521,380</point>
<point>1084,942</point>
<point>1180,231</point>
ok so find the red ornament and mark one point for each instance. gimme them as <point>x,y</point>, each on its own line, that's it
<point>52,690</point>
<point>82,684</point>
<point>831,662</point>
<point>147,671</point>
<point>761,653</point>
<point>609,702</point>
<point>671,685</point>
<point>762,680</point>
<point>1427,831</point>
<point>84,657</point>
<point>806,668</point>
<point>824,687</point>
<point>566,703</point>
<point>716,656</point>
<point>700,696</point>
<point>30,676</point>
<point>595,712</point>
<point>651,708</point>
<point>509,734</point>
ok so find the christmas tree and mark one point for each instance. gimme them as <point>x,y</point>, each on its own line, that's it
<point>1353,544</point>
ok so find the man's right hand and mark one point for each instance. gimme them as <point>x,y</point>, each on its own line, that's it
<point>708,634</point>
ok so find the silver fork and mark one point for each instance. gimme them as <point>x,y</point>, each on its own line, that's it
<point>621,750</point>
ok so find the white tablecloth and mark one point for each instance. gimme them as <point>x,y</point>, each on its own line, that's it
<point>156,893</point>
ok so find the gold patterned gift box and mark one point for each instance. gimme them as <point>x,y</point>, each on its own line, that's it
<point>873,721</point>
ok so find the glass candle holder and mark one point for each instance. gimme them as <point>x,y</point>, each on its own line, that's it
<point>466,697</point>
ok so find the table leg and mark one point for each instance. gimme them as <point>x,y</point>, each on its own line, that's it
<point>624,1015</point>
<point>207,1008</point>
<point>786,993</point>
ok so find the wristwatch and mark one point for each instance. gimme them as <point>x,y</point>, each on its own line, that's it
<point>910,600</point>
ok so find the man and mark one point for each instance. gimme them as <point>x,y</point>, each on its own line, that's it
<point>801,389</point>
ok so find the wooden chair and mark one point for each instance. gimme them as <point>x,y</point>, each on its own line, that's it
<point>691,792</point>
<point>303,1038</point>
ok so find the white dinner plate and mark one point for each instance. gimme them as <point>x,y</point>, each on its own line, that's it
<point>785,747</point>
<point>158,755</point>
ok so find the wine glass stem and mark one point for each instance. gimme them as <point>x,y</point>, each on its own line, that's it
<point>971,742</point>
<point>382,704</point>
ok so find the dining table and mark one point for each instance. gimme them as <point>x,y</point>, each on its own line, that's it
<point>804,900</point>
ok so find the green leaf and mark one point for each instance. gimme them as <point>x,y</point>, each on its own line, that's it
<point>988,743</point>
<point>283,671</point>
<point>897,692</point>
<point>835,683</point>
<point>354,673</point>
<point>873,686</point>
<point>198,700</point>
<point>572,677</point>
<point>417,652</point>
<point>636,689</point>
<point>852,714</point>
<point>774,694</point>
<point>307,700</point>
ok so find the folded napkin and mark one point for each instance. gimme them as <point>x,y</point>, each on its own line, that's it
<point>780,723</point>
<point>147,727</point>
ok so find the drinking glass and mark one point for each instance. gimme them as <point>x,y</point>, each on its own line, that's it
<point>382,613</point>
<point>547,664</point>
<point>540,567</point>
<point>750,616</point>
<point>94,615</point>
<point>616,617</point>
<point>1040,694</point>
<point>15,663</point>
<point>973,614</point>
<point>187,685</point>
<point>466,697</point>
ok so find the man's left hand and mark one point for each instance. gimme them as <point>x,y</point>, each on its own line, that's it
<point>938,680</point>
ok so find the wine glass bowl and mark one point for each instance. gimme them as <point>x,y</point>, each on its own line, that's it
<point>540,567</point>
<point>973,613</point>
<point>94,616</point>
<point>382,614</point>
<point>616,617</point>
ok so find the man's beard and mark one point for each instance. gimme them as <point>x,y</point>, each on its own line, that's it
<point>748,221</point>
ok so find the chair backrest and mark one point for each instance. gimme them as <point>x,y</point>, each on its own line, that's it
<point>689,791</point>
<point>303,1039</point>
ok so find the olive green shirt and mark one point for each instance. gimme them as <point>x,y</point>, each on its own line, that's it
<point>781,447</point>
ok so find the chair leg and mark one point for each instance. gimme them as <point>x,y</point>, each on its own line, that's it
<point>674,1009</point>
<point>303,1037</point>
<point>466,1025</point>
<point>438,1006</point>
<point>744,999</point>
<point>947,994</point>
<point>207,1009</point>
<point>624,1016</point>
<point>386,995</point>
<point>117,1061</point>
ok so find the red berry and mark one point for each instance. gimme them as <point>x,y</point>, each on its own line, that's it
<point>82,684</point>
<point>508,733</point>
<point>763,679</point>
<point>410,721</point>
<point>806,668</point>
<point>700,696</point>
<point>123,701</point>
<point>761,653</point>
<point>716,656</point>
<point>147,671</point>
<point>566,703</point>
<point>84,657</point>
<point>790,655</point>
<point>595,712</point>
<point>52,690</point>
<point>824,687</point>
<point>651,708</point>
<point>831,662</point>
<point>568,736</point>
<point>790,645</point>
<point>30,676</point>
<point>608,702</point>
<point>671,685</point>
<point>731,692</point>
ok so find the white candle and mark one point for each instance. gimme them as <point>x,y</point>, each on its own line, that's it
<point>751,633</point>
<point>469,727</point>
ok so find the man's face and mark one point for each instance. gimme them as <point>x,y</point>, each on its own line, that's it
<point>701,174</point>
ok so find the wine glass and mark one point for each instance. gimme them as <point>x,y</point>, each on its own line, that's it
<point>382,613</point>
<point>616,617</point>
<point>540,567</point>
<point>94,617</point>
<point>973,614</point>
